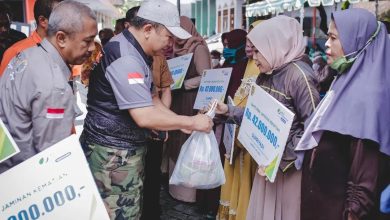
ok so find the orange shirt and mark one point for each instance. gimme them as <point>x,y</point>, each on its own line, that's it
<point>76,70</point>
<point>18,47</point>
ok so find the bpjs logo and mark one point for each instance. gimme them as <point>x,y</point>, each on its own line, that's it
<point>282,116</point>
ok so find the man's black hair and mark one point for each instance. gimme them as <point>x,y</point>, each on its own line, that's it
<point>121,21</point>
<point>131,13</point>
<point>215,53</point>
<point>44,8</point>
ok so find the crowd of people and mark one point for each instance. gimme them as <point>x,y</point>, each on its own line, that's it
<point>336,160</point>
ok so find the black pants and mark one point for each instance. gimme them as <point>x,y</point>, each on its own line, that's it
<point>151,199</point>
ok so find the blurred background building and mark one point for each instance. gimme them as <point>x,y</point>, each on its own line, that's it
<point>213,17</point>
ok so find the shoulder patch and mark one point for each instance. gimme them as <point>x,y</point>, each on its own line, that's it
<point>111,52</point>
<point>17,65</point>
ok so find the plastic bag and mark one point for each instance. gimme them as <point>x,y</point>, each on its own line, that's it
<point>199,164</point>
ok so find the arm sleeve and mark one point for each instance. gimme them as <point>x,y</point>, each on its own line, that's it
<point>362,180</point>
<point>48,128</point>
<point>202,62</point>
<point>305,99</point>
<point>52,106</point>
<point>7,57</point>
<point>130,82</point>
<point>17,93</point>
<point>166,76</point>
<point>235,115</point>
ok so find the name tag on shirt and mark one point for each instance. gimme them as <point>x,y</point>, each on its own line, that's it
<point>55,113</point>
<point>135,78</point>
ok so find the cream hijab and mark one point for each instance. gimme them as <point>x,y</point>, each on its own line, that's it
<point>182,47</point>
<point>279,40</point>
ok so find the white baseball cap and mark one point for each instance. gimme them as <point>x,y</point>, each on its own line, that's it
<point>165,13</point>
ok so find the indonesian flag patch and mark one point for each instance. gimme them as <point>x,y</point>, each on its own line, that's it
<point>55,113</point>
<point>135,78</point>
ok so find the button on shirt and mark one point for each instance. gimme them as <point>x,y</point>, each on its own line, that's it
<point>36,101</point>
<point>123,81</point>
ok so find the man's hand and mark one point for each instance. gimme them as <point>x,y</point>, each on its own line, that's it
<point>202,123</point>
<point>186,131</point>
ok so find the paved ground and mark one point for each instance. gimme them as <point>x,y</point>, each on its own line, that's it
<point>175,210</point>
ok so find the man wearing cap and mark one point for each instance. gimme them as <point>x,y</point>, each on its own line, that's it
<point>121,109</point>
<point>162,80</point>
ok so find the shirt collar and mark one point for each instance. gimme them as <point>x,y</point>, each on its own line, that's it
<point>36,38</point>
<point>130,37</point>
<point>56,57</point>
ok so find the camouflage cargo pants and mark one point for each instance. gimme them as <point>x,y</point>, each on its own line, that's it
<point>119,176</point>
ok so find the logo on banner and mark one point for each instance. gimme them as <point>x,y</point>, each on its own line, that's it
<point>283,118</point>
<point>135,78</point>
<point>55,113</point>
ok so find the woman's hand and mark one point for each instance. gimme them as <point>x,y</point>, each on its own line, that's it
<point>221,108</point>
<point>261,170</point>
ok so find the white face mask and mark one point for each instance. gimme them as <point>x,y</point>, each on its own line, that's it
<point>214,62</point>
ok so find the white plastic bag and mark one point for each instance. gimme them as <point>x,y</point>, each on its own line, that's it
<point>199,164</point>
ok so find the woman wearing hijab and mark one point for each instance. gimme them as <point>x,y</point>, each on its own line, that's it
<point>183,99</point>
<point>348,137</point>
<point>235,57</point>
<point>239,175</point>
<point>223,39</point>
<point>289,79</point>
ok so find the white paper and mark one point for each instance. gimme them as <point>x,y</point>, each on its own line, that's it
<point>213,85</point>
<point>178,67</point>
<point>54,184</point>
<point>264,130</point>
